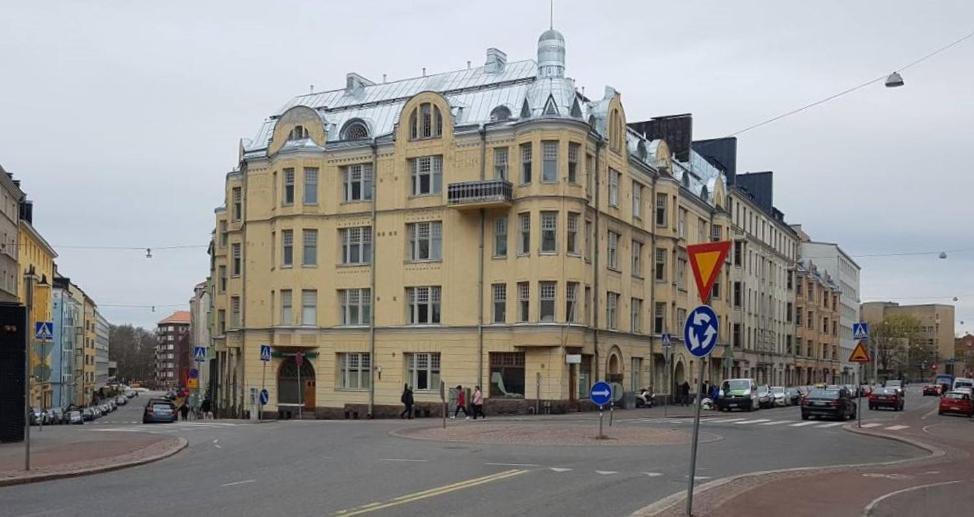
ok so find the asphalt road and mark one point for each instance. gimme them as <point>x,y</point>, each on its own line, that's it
<point>353,467</point>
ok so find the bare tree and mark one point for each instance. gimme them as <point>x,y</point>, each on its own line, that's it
<point>897,344</point>
<point>133,349</point>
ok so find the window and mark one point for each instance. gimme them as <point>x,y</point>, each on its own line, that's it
<point>523,301</point>
<point>701,230</point>
<point>427,175</point>
<point>354,370</point>
<point>297,133</point>
<point>221,321</point>
<point>549,228</point>
<point>500,163</point>
<point>358,182</point>
<point>500,302</point>
<point>356,305</point>
<point>825,325</point>
<point>614,187</point>
<point>637,200</point>
<point>716,232</point>
<point>310,186</point>
<point>524,246</point>
<point>681,272</point>
<point>810,321</point>
<point>355,130</point>
<point>613,253</point>
<point>425,240</point>
<point>681,318</point>
<point>223,234</point>
<point>660,264</point>
<point>589,174</point>
<point>635,315</point>
<point>549,165</point>
<point>573,162</point>
<point>287,317</point>
<point>572,237</point>
<point>425,122</point>
<point>659,317</point>
<point>500,237</point>
<point>309,249</point>
<point>798,317</point>
<point>738,252</point>
<point>356,245</point>
<point>788,312</point>
<point>288,187</point>
<point>237,204</point>
<point>611,306</point>
<point>235,312</point>
<point>287,243</point>
<point>588,240</point>
<point>423,371</point>
<point>223,278</point>
<point>309,307</point>
<point>715,289</point>
<point>737,336</point>
<point>571,302</point>
<point>424,305</point>
<point>637,261</point>
<point>235,259</point>
<point>683,223</point>
<point>738,294</point>
<point>507,374</point>
<point>526,163</point>
<point>547,301</point>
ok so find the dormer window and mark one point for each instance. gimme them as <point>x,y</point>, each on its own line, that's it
<point>355,130</point>
<point>425,121</point>
<point>298,133</point>
<point>500,114</point>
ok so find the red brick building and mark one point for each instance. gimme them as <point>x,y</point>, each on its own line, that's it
<point>173,350</point>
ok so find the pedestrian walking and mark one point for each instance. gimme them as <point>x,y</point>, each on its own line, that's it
<point>461,403</point>
<point>407,401</point>
<point>706,390</point>
<point>685,393</point>
<point>478,403</point>
<point>184,411</point>
<point>205,407</point>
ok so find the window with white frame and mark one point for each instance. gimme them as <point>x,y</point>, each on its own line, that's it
<point>424,305</point>
<point>573,149</point>
<point>637,199</point>
<point>235,312</point>
<point>425,240</point>
<point>613,251</point>
<point>288,187</point>
<point>524,243</point>
<point>235,262</point>
<point>499,292</point>
<point>500,163</point>
<point>637,258</point>
<point>311,185</point>
<point>423,371</point>
<point>589,174</point>
<point>547,298</point>
<point>681,318</point>
<point>549,229</point>
<point>572,235</point>
<point>523,301</point>
<point>427,175</point>
<point>309,307</point>
<point>500,237</point>
<point>353,370</point>
<point>237,203</point>
<point>287,316</point>
<point>661,264</point>
<point>571,302</point>
<point>526,163</point>
<point>356,306</point>
<point>611,308</point>
<point>356,244</point>
<point>588,240</point>
<point>661,209</point>
<point>309,249</point>
<point>659,317</point>
<point>636,315</point>
<point>549,165</point>
<point>681,271</point>
<point>614,177</point>
<point>287,245</point>
<point>357,181</point>
<point>425,121</point>
<point>682,228</point>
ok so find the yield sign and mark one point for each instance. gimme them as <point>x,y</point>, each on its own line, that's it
<point>860,354</point>
<point>706,259</point>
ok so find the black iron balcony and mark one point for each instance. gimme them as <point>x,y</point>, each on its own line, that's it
<point>480,194</point>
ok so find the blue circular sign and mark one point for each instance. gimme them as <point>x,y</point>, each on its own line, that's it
<point>601,393</point>
<point>264,396</point>
<point>700,331</point>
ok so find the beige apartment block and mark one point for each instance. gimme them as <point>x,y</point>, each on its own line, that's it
<point>491,226</point>
<point>817,313</point>
<point>936,328</point>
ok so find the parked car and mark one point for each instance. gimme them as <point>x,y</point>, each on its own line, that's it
<point>159,411</point>
<point>931,389</point>
<point>88,414</point>
<point>829,403</point>
<point>886,397</point>
<point>894,383</point>
<point>738,394</point>
<point>794,396</point>
<point>865,390</point>
<point>956,402</point>
<point>75,417</point>
<point>121,400</point>
<point>764,397</point>
<point>778,396</point>
<point>962,382</point>
<point>56,416</point>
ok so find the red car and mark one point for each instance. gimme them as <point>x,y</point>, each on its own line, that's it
<point>931,389</point>
<point>886,397</point>
<point>956,402</point>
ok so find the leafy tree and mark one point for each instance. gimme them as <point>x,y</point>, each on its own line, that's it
<point>133,349</point>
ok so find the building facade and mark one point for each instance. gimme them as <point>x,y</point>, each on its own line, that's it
<point>173,350</point>
<point>491,226</point>
<point>936,329</point>
<point>10,271</point>
<point>964,356</point>
<point>101,350</point>
<point>817,319</point>
<point>35,259</point>
<point>199,309</point>
<point>89,354</point>
<point>68,335</point>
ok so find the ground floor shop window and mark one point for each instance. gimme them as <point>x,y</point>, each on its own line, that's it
<point>507,374</point>
<point>585,377</point>
<point>423,371</point>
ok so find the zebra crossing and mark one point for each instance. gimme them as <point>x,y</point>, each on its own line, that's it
<point>767,422</point>
<point>165,428</point>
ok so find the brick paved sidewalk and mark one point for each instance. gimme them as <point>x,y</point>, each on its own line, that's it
<point>67,451</point>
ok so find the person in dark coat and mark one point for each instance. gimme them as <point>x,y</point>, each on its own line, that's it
<point>407,401</point>
<point>685,393</point>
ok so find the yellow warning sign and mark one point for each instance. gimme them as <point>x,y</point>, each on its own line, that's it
<point>860,354</point>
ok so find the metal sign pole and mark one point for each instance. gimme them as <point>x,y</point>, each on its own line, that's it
<point>300,391</point>
<point>693,447</point>
<point>29,291</point>
<point>859,400</point>
<point>443,400</point>
<point>666,376</point>
<point>601,436</point>
<point>263,386</point>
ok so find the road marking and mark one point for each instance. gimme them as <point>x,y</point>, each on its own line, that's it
<point>653,474</point>
<point>402,459</point>
<point>896,427</point>
<point>874,424</point>
<point>758,421</point>
<point>244,482</point>
<point>513,464</point>
<point>778,422</point>
<point>833,424</point>
<point>371,507</point>
<point>606,472</point>
<point>803,424</point>
<point>559,469</point>
<point>872,504</point>
<point>725,420</point>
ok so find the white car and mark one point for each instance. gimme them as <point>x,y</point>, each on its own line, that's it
<point>778,396</point>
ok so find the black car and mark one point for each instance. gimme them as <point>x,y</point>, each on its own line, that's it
<point>836,404</point>
<point>159,411</point>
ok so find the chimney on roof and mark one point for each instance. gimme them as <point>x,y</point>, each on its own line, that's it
<point>496,61</point>
<point>355,84</point>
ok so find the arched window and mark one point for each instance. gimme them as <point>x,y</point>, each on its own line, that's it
<point>355,130</point>
<point>298,133</point>
<point>499,114</point>
<point>425,121</point>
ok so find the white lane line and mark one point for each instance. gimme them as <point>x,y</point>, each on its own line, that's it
<point>725,420</point>
<point>559,469</point>
<point>244,482</point>
<point>778,422</point>
<point>606,472</point>
<point>402,459</point>
<point>802,424</point>
<point>653,474</point>
<point>868,426</point>
<point>758,421</point>
<point>872,504</point>
<point>513,464</point>
<point>833,424</point>
<point>896,427</point>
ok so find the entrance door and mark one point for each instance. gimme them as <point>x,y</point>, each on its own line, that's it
<point>573,382</point>
<point>309,394</point>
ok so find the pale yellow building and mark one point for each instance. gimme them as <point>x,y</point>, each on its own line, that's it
<point>35,258</point>
<point>936,329</point>
<point>491,226</point>
<point>817,353</point>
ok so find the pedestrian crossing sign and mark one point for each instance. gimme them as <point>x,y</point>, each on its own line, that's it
<point>44,330</point>
<point>860,354</point>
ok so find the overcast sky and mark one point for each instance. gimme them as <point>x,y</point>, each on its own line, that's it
<point>121,118</point>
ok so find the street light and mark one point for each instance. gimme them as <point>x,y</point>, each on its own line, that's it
<point>895,80</point>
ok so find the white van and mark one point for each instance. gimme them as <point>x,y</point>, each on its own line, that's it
<point>962,382</point>
<point>738,394</point>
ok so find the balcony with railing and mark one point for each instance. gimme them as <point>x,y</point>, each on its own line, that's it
<point>480,194</point>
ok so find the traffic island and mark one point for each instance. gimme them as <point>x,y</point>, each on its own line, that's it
<point>68,452</point>
<point>550,433</point>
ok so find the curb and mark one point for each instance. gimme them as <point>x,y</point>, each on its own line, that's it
<point>181,443</point>
<point>672,500</point>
